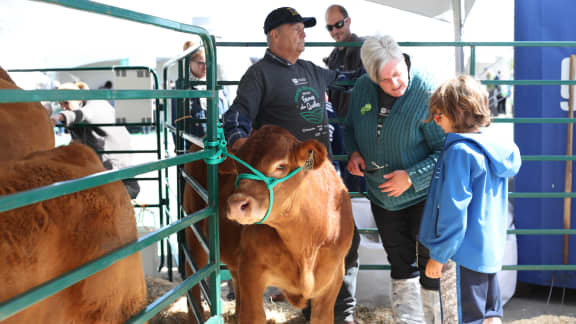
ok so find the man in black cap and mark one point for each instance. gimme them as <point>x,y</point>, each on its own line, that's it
<point>283,90</point>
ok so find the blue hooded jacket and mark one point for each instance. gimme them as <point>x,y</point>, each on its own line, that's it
<point>465,218</point>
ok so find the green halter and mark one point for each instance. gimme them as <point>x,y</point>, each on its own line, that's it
<point>269,181</point>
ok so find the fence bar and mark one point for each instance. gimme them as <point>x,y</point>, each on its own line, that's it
<point>20,199</point>
<point>61,95</point>
<point>172,295</point>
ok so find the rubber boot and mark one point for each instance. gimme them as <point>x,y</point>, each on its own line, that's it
<point>431,306</point>
<point>406,301</point>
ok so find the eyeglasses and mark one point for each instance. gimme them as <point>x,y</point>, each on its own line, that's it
<point>337,25</point>
<point>200,62</point>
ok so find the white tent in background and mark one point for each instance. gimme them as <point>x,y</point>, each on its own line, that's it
<point>438,9</point>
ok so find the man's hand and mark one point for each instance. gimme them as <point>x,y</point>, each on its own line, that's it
<point>238,143</point>
<point>398,182</point>
<point>356,164</point>
<point>434,269</point>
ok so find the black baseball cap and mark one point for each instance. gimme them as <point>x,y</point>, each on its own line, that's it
<point>286,15</point>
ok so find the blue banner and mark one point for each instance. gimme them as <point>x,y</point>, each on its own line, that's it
<point>537,20</point>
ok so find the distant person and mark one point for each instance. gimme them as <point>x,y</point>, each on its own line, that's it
<point>107,86</point>
<point>281,89</point>
<point>500,95</point>
<point>198,106</point>
<point>465,219</point>
<point>492,94</point>
<point>343,59</point>
<point>99,138</point>
<point>396,151</point>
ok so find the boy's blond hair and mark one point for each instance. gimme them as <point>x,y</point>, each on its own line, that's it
<point>464,101</point>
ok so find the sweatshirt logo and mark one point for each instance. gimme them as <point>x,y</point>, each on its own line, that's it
<point>309,105</point>
<point>367,107</point>
<point>299,81</point>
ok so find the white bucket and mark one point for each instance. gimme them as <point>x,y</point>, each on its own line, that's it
<point>149,254</point>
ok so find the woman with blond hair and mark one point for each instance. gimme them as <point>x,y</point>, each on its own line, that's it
<point>99,138</point>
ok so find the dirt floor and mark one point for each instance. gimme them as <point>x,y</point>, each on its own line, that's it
<point>528,306</point>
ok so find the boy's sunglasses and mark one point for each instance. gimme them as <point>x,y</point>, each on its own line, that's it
<point>337,25</point>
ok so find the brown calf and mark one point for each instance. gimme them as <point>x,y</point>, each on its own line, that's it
<point>42,241</point>
<point>25,126</point>
<point>302,245</point>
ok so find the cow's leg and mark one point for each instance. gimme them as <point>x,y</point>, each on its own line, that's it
<point>323,305</point>
<point>235,285</point>
<point>200,259</point>
<point>251,285</point>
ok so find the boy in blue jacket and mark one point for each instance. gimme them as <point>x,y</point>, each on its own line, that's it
<point>464,220</point>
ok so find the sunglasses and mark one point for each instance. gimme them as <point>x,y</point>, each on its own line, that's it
<point>337,25</point>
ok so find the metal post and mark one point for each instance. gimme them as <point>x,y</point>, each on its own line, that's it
<point>457,6</point>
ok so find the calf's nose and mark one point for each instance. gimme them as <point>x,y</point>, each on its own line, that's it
<point>239,206</point>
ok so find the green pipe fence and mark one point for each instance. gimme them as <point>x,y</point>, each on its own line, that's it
<point>473,47</point>
<point>156,122</point>
<point>8,202</point>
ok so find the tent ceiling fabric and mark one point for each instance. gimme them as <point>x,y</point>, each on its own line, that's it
<point>437,9</point>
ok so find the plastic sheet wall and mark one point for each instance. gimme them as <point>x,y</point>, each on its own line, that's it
<point>537,20</point>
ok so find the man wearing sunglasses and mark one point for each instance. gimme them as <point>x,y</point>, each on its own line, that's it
<point>345,59</point>
<point>341,58</point>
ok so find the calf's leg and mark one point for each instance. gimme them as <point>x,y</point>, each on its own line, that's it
<point>323,305</point>
<point>251,285</point>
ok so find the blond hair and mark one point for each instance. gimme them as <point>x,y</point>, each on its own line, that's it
<point>464,101</point>
<point>77,85</point>
<point>196,54</point>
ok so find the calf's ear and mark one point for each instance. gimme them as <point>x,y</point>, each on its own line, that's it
<point>310,154</point>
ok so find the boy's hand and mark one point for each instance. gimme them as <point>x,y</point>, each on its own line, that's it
<point>433,269</point>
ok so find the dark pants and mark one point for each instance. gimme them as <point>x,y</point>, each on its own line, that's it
<point>398,232</point>
<point>468,296</point>
<point>346,300</point>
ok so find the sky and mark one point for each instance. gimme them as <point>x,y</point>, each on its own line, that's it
<point>38,35</point>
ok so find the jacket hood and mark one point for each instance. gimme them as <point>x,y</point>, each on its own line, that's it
<point>503,155</point>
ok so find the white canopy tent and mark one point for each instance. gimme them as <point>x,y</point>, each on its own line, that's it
<point>439,9</point>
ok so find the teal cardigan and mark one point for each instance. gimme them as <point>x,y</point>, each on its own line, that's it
<point>405,143</point>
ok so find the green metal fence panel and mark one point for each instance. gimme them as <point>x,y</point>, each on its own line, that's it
<point>40,194</point>
<point>45,290</point>
<point>20,199</point>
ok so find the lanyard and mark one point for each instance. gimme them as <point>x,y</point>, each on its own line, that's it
<point>382,115</point>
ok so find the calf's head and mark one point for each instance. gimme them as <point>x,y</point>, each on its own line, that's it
<point>277,155</point>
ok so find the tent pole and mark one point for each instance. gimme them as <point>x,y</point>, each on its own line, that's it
<point>457,9</point>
